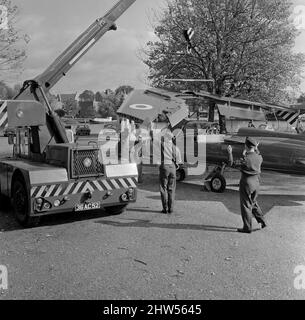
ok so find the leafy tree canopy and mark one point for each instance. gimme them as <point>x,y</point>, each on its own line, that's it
<point>245,47</point>
<point>12,42</point>
<point>60,112</point>
<point>87,95</point>
<point>7,92</point>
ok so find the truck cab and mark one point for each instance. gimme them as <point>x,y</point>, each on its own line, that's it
<point>64,177</point>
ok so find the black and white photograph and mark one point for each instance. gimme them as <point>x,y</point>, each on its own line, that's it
<point>152,151</point>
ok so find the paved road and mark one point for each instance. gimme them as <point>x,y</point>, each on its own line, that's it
<point>195,253</point>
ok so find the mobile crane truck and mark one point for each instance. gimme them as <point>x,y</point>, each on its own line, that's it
<point>47,174</point>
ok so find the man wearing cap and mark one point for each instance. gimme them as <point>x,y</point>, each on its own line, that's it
<point>250,167</point>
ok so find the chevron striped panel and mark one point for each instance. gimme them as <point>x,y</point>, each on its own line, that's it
<point>290,116</point>
<point>56,190</point>
<point>3,114</point>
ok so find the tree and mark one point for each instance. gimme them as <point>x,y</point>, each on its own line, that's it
<point>6,92</point>
<point>86,100</point>
<point>98,96</point>
<point>106,101</point>
<point>123,90</point>
<point>106,109</point>
<point>109,101</point>
<point>12,42</point>
<point>68,103</point>
<point>60,112</point>
<point>301,98</point>
<point>108,105</point>
<point>245,47</point>
<point>86,109</point>
<point>87,95</point>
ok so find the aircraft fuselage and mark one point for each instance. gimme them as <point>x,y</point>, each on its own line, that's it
<point>284,153</point>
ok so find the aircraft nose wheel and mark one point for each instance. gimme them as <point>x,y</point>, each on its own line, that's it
<point>218,183</point>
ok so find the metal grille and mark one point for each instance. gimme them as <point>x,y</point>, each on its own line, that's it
<point>79,169</point>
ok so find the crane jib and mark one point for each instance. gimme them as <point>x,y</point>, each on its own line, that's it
<point>83,51</point>
<point>81,45</point>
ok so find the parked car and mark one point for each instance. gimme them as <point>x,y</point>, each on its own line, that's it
<point>82,130</point>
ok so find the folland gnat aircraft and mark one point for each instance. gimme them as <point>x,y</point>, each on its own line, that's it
<point>282,151</point>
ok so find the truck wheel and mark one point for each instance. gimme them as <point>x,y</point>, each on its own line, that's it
<point>180,175</point>
<point>4,202</point>
<point>21,205</point>
<point>116,209</point>
<point>218,183</point>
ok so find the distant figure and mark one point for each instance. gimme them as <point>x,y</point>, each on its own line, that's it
<point>132,126</point>
<point>138,149</point>
<point>250,167</point>
<point>222,124</point>
<point>251,124</point>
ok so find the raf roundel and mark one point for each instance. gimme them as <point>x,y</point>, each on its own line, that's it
<point>142,107</point>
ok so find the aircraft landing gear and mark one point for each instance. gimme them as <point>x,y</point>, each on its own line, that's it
<point>217,182</point>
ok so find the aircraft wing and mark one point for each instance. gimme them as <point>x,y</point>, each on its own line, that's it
<point>148,105</point>
<point>235,102</point>
<point>240,113</point>
<point>240,108</point>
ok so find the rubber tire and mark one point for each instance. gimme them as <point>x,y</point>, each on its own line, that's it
<point>221,181</point>
<point>114,210</point>
<point>20,205</point>
<point>4,202</point>
<point>180,175</point>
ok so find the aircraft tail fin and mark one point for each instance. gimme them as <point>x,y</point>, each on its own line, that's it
<point>290,116</point>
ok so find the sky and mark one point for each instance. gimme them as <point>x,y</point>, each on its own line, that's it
<point>114,60</point>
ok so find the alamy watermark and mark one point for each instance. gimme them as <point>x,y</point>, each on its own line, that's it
<point>299,17</point>
<point>3,278</point>
<point>153,147</point>
<point>3,18</point>
<point>299,281</point>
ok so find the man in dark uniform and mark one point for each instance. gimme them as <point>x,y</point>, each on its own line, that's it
<point>138,153</point>
<point>250,167</point>
<point>169,157</point>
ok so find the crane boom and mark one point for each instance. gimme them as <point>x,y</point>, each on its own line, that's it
<point>57,174</point>
<point>81,45</point>
<point>39,86</point>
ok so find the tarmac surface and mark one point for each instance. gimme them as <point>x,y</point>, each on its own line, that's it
<point>195,253</point>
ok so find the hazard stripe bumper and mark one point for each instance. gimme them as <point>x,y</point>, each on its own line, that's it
<point>65,189</point>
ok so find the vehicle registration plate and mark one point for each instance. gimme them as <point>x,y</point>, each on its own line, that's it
<point>88,206</point>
